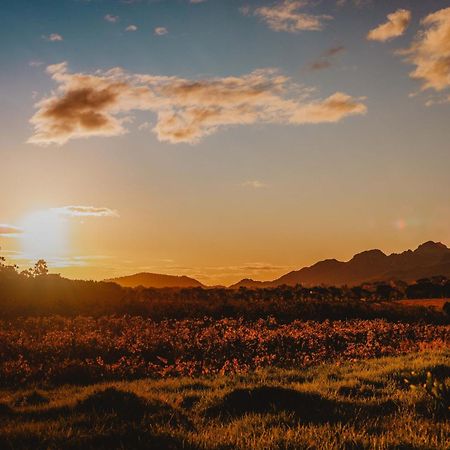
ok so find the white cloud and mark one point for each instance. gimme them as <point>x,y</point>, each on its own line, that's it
<point>160,31</point>
<point>287,16</point>
<point>85,211</point>
<point>100,104</point>
<point>54,37</point>
<point>35,63</point>
<point>111,19</point>
<point>131,28</point>
<point>396,25</point>
<point>9,230</point>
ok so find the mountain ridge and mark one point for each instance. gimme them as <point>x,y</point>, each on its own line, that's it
<point>428,259</point>
<point>156,280</point>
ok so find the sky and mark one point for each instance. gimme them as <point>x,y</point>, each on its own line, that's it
<point>221,139</point>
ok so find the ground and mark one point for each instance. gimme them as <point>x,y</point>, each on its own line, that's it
<point>351,405</point>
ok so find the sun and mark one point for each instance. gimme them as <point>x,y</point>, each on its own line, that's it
<point>44,235</point>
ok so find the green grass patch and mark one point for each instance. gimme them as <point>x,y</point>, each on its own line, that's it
<point>354,405</point>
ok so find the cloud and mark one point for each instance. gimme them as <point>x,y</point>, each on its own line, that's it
<point>430,52</point>
<point>333,51</point>
<point>35,63</point>
<point>286,16</point>
<point>85,211</point>
<point>320,65</point>
<point>255,184</point>
<point>61,262</point>
<point>100,104</point>
<point>9,230</point>
<point>260,266</point>
<point>160,31</point>
<point>83,110</point>
<point>54,37</point>
<point>324,62</point>
<point>131,28</point>
<point>357,3</point>
<point>78,261</point>
<point>110,18</point>
<point>332,109</point>
<point>395,26</point>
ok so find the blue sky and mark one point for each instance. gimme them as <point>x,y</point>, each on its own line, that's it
<point>245,199</point>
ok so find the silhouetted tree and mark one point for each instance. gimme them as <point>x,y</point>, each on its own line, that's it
<point>446,308</point>
<point>40,268</point>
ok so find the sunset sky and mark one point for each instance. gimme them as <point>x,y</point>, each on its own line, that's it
<point>221,139</point>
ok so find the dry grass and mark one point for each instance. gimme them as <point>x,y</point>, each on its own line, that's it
<point>358,405</point>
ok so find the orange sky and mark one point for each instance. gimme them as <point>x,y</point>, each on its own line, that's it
<point>218,141</point>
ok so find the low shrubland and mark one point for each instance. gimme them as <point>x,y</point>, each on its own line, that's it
<point>85,350</point>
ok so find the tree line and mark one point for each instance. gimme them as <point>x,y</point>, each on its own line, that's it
<point>36,292</point>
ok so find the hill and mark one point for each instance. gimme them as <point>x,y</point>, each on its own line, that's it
<point>156,280</point>
<point>429,259</point>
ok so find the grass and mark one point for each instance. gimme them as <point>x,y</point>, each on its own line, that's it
<point>353,405</point>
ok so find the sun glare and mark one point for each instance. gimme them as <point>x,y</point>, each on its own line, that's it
<point>44,235</point>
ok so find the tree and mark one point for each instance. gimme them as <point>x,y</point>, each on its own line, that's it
<point>4,267</point>
<point>446,308</point>
<point>40,268</point>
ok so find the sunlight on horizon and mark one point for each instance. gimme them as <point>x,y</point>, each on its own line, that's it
<point>45,235</point>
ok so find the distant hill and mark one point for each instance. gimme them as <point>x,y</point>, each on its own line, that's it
<point>429,259</point>
<point>156,280</point>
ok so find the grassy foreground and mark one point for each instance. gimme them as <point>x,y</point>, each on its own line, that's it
<point>353,405</point>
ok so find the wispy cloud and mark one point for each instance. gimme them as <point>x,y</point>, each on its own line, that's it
<point>326,59</point>
<point>131,28</point>
<point>54,37</point>
<point>357,3</point>
<point>333,51</point>
<point>320,64</point>
<point>187,110</point>
<point>35,63</point>
<point>396,25</point>
<point>9,230</point>
<point>160,31</point>
<point>430,52</point>
<point>85,211</point>
<point>255,184</point>
<point>61,262</point>
<point>111,19</point>
<point>288,16</point>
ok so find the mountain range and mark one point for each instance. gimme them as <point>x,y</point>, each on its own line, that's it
<point>427,260</point>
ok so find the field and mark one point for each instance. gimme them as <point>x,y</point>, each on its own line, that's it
<point>88,365</point>
<point>132,382</point>
<point>437,303</point>
<point>351,405</point>
<point>85,350</point>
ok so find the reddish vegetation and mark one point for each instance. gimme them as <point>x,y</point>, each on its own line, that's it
<point>84,350</point>
<point>437,303</point>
